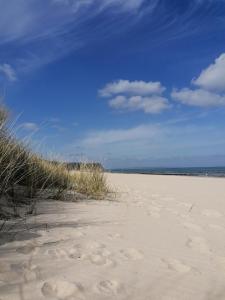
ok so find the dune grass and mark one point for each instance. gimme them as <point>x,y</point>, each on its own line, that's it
<point>90,180</point>
<point>19,166</point>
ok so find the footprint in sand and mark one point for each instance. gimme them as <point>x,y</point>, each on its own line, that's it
<point>61,289</point>
<point>74,253</point>
<point>104,252</point>
<point>176,265</point>
<point>57,253</point>
<point>6,273</point>
<point>99,256</point>
<point>211,213</point>
<point>132,254</point>
<point>109,287</point>
<point>30,275</point>
<point>99,260</point>
<point>28,249</point>
<point>27,270</point>
<point>199,244</point>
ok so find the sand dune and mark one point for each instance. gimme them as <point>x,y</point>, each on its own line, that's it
<point>162,238</point>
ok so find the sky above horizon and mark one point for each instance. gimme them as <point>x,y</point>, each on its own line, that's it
<point>132,83</point>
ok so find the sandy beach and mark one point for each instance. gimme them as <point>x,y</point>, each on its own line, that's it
<point>161,238</point>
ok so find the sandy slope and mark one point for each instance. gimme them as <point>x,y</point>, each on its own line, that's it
<point>163,239</point>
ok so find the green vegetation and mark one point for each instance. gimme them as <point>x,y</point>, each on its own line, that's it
<point>19,167</point>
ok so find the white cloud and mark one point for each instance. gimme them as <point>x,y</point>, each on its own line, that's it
<point>211,87</point>
<point>131,88</point>
<point>213,77</point>
<point>198,97</point>
<point>8,71</point>
<point>30,126</point>
<point>135,95</point>
<point>118,102</point>
<point>141,132</point>
<point>152,104</point>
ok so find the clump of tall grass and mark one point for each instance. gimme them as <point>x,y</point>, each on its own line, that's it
<point>21,167</point>
<point>90,180</point>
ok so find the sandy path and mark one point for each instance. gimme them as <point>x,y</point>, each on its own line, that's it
<point>162,239</point>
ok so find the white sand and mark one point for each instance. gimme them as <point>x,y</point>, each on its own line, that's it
<point>164,239</point>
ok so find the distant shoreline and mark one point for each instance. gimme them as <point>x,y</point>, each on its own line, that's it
<point>159,174</point>
<point>211,172</point>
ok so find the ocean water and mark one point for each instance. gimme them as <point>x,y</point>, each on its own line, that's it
<point>195,171</point>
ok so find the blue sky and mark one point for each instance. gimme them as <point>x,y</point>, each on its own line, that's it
<point>129,83</point>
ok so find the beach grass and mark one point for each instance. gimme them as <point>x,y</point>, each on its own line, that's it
<point>90,180</point>
<point>19,166</point>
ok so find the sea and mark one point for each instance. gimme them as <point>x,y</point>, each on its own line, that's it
<point>193,171</point>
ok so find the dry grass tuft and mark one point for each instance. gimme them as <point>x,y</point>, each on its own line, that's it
<point>90,180</point>
<point>20,167</point>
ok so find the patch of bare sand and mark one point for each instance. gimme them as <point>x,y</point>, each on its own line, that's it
<point>162,239</point>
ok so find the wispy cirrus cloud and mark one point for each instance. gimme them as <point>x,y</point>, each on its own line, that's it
<point>170,142</point>
<point>75,5</point>
<point>29,126</point>
<point>97,138</point>
<point>8,72</point>
<point>64,26</point>
<point>25,21</point>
